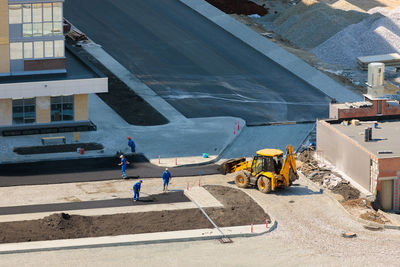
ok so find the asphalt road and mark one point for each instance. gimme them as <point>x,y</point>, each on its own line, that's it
<point>90,169</point>
<point>171,197</point>
<point>200,69</point>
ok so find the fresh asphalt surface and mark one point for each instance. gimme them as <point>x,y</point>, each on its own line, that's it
<point>90,169</point>
<point>200,69</point>
<point>171,197</point>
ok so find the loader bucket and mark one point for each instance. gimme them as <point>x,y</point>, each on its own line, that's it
<point>228,165</point>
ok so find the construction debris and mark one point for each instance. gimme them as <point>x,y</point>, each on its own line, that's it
<point>325,177</point>
<point>76,36</point>
<point>349,235</point>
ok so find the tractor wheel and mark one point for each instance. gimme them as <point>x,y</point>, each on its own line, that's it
<point>242,179</point>
<point>264,184</point>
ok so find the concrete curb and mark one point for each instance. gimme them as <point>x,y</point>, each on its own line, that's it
<point>137,239</point>
<point>359,220</point>
<point>287,60</point>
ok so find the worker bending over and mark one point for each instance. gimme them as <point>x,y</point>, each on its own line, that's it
<point>136,190</point>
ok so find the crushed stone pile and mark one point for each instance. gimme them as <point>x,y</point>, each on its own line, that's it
<point>310,23</point>
<point>377,34</point>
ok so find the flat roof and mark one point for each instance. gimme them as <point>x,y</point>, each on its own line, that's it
<point>76,69</point>
<point>385,138</point>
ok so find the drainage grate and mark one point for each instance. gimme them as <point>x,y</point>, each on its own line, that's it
<point>225,240</point>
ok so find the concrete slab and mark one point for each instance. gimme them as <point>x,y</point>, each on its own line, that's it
<point>186,139</point>
<point>274,52</point>
<point>124,240</point>
<point>202,197</point>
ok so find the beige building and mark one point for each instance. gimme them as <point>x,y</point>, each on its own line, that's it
<point>374,164</point>
<point>43,87</point>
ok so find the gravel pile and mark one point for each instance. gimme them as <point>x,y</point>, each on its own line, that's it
<point>377,34</point>
<point>310,23</point>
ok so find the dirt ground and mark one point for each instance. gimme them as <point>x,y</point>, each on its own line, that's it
<point>363,209</point>
<point>349,196</point>
<point>131,107</point>
<point>239,209</point>
<point>244,7</point>
<point>27,150</point>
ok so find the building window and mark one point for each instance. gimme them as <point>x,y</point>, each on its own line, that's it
<point>42,19</point>
<point>38,49</point>
<point>27,30</point>
<point>37,29</point>
<point>62,108</point>
<point>48,49</point>
<point>47,28</point>
<point>28,50</point>
<point>37,12</point>
<point>27,13</point>
<point>47,14</point>
<point>16,51</point>
<point>24,110</point>
<point>14,14</point>
<point>57,11</point>
<point>59,48</point>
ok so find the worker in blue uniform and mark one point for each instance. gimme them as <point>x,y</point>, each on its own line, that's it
<point>136,190</point>
<point>166,176</point>
<point>131,144</point>
<point>123,164</point>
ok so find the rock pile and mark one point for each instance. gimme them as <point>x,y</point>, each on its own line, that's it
<point>378,34</point>
<point>310,23</point>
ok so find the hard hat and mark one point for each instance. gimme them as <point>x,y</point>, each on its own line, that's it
<point>129,137</point>
<point>121,156</point>
<point>166,169</point>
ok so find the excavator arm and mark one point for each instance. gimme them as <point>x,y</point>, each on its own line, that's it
<point>289,171</point>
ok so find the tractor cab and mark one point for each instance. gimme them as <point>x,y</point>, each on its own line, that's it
<point>267,160</point>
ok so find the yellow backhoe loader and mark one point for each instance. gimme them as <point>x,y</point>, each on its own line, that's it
<point>268,170</point>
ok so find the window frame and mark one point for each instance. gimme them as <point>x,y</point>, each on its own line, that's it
<point>61,102</point>
<point>25,103</point>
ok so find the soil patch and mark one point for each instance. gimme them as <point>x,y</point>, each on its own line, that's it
<point>28,150</point>
<point>346,191</point>
<point>131,107</point>
<point>243,7</point>
<point>363,209</point>
<point>373,216</point>
<point>239,209</point>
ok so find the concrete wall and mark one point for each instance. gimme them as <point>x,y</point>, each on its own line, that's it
<point>344,153</point>
<point>43,109</point>
<point>5,111</point>
<point>81,110</point>
<point>4,38</point>
<point>53,88</point>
